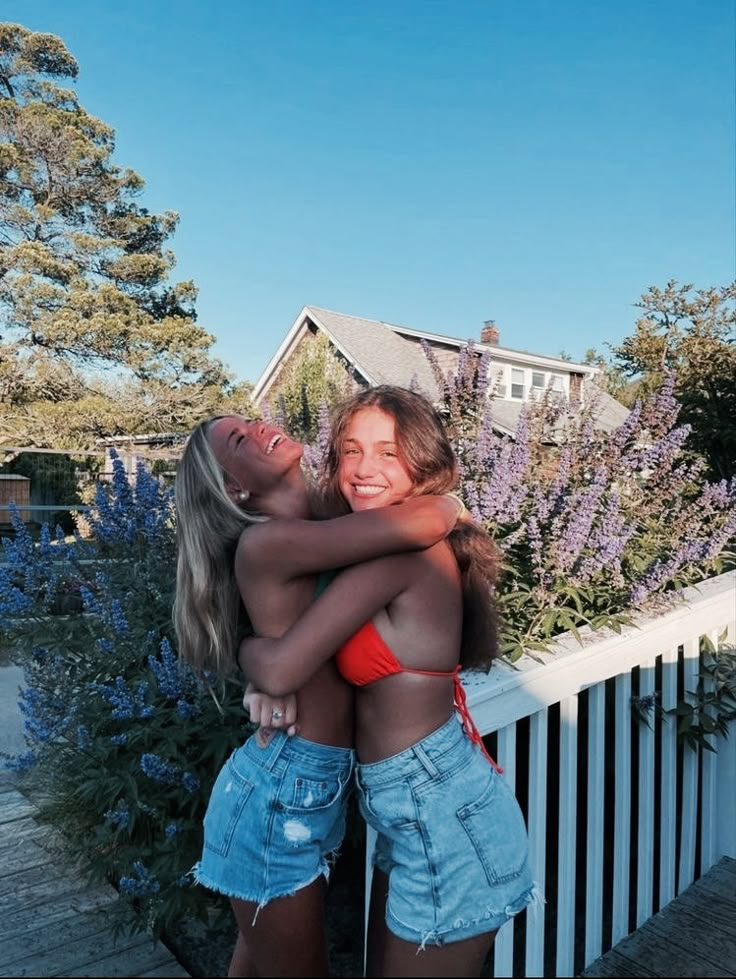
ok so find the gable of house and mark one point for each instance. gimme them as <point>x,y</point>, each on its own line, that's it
<point>372,352</point>
<point>375,352</point>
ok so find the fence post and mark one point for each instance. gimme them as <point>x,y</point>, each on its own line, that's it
<point>726,804</point>
<point>130,459</point>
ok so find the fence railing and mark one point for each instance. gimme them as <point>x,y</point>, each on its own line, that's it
<point>48,485</point>
<point>622,814</point>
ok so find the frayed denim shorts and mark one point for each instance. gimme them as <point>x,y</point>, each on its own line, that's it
<point>275,819</point>
<point>451,837</point>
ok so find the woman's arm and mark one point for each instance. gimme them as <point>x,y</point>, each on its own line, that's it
<point>278,666</point>
<point>289,548</point>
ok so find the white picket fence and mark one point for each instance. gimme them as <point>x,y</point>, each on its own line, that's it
<point>621,817</point>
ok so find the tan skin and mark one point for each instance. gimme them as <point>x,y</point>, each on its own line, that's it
<point>276,564</point>
<point>415,602</point>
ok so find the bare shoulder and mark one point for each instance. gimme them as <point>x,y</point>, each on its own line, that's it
<point>253,539</point>
<point>257,544</point>
<point>273,545</point>
<point>420,566</point>
<point>258,562</point>
<point>441,555</point>
<point>435,566</point>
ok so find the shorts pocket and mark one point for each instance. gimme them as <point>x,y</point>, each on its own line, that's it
<point>390,810</point>
<point>229,795</point>
<point>495,825</point>
<point>304,794</point>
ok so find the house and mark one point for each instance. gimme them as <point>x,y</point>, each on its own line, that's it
<point>374,352</point>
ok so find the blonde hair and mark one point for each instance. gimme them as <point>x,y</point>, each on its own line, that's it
<point>209,616</point>
<point>426,451</point>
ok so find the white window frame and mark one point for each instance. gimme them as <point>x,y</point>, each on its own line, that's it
<point>515,384</point>
<point>524,377</point>
<point>560,391</point>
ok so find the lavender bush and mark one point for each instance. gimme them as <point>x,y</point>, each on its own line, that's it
<point>591,525</point>
<point>123,742</point>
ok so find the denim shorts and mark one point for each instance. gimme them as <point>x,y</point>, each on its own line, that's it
<point>275,819</point>
<point>451,837</point>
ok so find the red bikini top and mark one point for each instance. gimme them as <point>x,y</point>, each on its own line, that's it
<point>366,657</point>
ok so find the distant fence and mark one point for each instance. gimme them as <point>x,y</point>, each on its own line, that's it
<point>51,485</point>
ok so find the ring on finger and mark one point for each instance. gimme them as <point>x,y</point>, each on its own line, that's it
<point>277,714</point>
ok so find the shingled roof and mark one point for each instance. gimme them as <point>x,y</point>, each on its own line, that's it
<point>384,353</point>
<point>377,350</point>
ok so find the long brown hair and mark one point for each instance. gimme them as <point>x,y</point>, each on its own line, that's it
<point>425,450</point>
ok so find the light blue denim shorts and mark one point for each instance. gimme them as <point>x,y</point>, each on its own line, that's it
<point>275,819</point>
<point>450,835</point>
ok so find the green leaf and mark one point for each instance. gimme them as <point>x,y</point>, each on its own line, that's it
<point>566,621</point>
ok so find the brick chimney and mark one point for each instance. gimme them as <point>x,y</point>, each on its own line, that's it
<point>489,333</point>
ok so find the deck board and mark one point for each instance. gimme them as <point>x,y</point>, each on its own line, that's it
<point>53,922</point>
<point>695,935</point>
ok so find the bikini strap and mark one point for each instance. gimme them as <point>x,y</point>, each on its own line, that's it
<point>461,706</point>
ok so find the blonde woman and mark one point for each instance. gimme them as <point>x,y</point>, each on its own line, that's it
<point>249,557</point>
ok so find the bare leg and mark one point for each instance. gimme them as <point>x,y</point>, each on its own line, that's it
<point>288,937</point>
<point>391,956</point>
<point>464,958</point>
<point>242,965</point>
<point>377,929</point>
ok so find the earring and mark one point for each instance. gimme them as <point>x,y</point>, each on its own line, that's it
<point>243,495</point>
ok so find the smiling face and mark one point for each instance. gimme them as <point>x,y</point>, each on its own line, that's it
<point>253,455</point>
<point>371,473</point>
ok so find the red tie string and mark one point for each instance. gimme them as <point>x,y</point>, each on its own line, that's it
<point>461,705</point>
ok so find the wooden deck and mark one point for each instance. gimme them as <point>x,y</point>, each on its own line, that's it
<point>695,935</point>
<point>52,922</point>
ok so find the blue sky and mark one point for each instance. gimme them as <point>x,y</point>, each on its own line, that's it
<point>434,164</point>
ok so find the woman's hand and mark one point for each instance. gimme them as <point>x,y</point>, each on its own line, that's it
<point>270,713</point>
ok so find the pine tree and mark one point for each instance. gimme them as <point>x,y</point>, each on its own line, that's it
<point>94,339</point>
